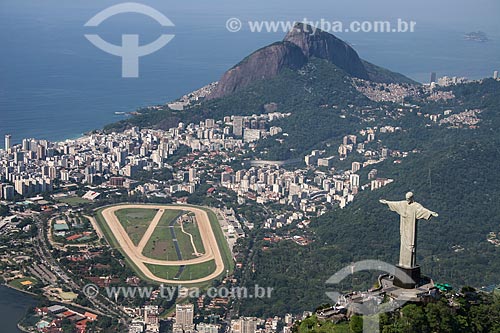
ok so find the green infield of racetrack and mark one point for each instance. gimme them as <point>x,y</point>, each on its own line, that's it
<point>190,272</point>
<point>192,228</point>
<point>221,241</point>
<point>135,221</point>
<point>161,246</point>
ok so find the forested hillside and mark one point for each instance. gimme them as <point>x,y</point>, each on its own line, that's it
<point>454,173</point>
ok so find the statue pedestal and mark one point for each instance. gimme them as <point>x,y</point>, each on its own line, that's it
<point>426,292</point>
<point>412,274</point>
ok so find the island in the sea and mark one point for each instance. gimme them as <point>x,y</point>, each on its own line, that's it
<point>476,36</point>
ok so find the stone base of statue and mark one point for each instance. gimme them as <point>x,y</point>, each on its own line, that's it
<point>423,293</point>
<point>410,280</point>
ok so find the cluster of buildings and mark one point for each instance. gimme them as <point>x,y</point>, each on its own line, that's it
<point>268,325</point>
<point>446,81</point>
<point>14,171</point>
<point>53,317</point>
<point>40,166</point>
<point>72,229</point>
<point>192,98</point>
<point>436,95</point>
<point>386,92</point>
<point>397,92</point>
<point>307,191</point>
<point>147,319</point>
<point>467,118</point>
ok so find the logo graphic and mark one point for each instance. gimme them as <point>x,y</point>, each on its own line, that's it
<point>91,290</point>
<point>234,24</point>
<point>130,51</point>
<point>370,308</point>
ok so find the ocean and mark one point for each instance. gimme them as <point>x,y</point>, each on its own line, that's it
<point>13,306</point>
<point>55,85</point>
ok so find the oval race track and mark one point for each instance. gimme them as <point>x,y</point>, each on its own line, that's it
<point>134,253</point>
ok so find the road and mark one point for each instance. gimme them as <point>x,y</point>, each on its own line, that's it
<point>196,253</point>
<point>212,251</point>
<point>95,226</point>
<point>41,248</point>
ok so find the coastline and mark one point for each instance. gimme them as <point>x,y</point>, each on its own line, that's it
<point>130,114</point>
<point>33,295</point>
<point>22,291</point>
<point>15,308</point>
<point>22,328</point>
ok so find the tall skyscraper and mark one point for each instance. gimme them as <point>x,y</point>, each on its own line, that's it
<point>354,179</point>
<point>26,145</point>
<point>151,318</point>
<point>121,156</point>
<point>355,167</point>
<point>41,152</point>
<point>209,123</point>
<point>151,315</point>
<point>251,135</point>
<point>8,141</point>
<point>238,126</point>
<point>8,192</point>
<point>244,325</point>
<point>184,315</point>
<point>433,77</point>
<point>192,174</point>
<point>18,157</point>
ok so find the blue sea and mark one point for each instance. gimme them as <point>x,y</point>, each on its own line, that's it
<point>55,85</point>
<point>13,305</point>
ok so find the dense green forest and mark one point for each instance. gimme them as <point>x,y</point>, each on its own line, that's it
<point>455,174</point>
<point>470,312</point>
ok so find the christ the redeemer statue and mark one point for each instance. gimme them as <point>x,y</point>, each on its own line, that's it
<point>410,212</point>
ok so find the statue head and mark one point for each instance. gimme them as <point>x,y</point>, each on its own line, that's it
<point>409,197</point>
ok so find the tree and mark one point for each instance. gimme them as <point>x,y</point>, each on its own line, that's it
<point>356,324</point>
<point>67,326</point>
<point>440,317</point>
<point>413,319</point>
<point>4,210</point>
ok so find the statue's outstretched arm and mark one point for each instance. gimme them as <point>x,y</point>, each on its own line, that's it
<point>424,213</point>
<point>395,206</point>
